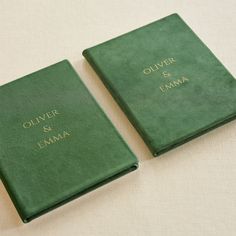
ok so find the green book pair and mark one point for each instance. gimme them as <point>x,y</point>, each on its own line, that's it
<point>56,142</point>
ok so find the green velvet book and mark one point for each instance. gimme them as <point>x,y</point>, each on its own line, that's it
<point>170,85</point>
<point>55,141</point>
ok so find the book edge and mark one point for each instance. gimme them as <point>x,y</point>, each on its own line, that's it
<point>120,102</point>
<point>156,151</point>
<point>30,74</point>
<point>196,134</point>
<point>26,217</point>
<point>128,167</point>
<point>131,31</point>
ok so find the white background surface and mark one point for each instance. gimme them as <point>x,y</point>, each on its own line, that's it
<point>188,191</point>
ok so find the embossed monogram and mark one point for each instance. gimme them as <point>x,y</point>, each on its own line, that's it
<point>37,120</point>
<point>51,139</point>
<point>173,84</point>
<point>159,65</point>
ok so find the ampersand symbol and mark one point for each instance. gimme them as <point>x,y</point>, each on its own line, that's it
<point>166,74</point>
<point>46,129</point>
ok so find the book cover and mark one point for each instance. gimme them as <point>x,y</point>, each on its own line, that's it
<point>169,84</point>
<point>55,141</point>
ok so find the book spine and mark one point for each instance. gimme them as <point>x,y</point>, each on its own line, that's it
<point>123,105</point>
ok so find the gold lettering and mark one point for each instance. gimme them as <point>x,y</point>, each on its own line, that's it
<point>154,69</point>
<point>158,65</point>
<point>51,140</point>
<point>57,138</point>
<point>162,89</point>
<point>185,79</point>
<point>40,118</point>
<point>65,134</point>
<point>43,117</point>
<point>147,71</point>
<point>173,84</point>
<point>40,145</point>
<point>167,62</point>
<point>169,86</point>
<point>27,125</point>
<point>177,82</point>
<point>55,112</point>
<point>172,60</point>
<point>49,115</point>
<point>33,122</point>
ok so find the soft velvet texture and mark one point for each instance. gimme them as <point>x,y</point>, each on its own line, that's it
<point>166,119</point>
<point>39,180</point>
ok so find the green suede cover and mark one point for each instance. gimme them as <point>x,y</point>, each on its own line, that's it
<point>55,141</point>
<point>169,84</point>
